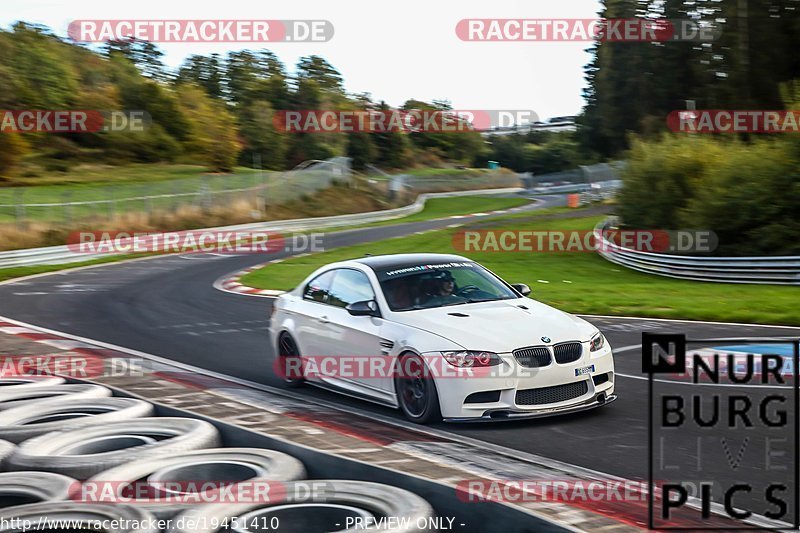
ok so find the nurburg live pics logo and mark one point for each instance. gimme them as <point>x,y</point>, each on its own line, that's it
<point>739,419</point>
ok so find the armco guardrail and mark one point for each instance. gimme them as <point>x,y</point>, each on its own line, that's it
<point>54,255</point>
<point>783,270</point>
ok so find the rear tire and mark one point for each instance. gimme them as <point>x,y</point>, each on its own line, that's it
<point>287,349</point>
<point>416,390</point>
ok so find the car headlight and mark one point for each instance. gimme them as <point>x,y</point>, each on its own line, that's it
<point>468,359</point>
<point>597,342</point>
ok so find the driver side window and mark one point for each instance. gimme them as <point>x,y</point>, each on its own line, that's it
<point>318,289</point>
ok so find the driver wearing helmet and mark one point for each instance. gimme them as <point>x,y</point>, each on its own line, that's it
<point>445,283</point>
<point>442,292</point>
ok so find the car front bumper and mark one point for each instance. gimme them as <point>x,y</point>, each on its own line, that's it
<point>454,393</point>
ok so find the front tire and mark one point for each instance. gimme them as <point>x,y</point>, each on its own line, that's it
<point>416,391</point>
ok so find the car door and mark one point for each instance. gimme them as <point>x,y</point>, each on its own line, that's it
<point>311,315</point>
<point>355,337</point>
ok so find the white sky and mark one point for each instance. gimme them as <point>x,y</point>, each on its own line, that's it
<point>394,50</point>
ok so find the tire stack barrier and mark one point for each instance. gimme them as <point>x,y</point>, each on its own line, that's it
<point>39,417</point>
<point>20,488</point>
<point>230,464</point>
<point>60,437</point>
<point>11,397</point>
<point>25,383</point>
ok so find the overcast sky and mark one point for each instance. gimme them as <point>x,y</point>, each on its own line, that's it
<point>394,50</point>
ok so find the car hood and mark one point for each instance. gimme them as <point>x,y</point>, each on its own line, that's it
<point>499,326</point>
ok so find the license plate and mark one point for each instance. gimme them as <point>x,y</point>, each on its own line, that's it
<point>584,370</point>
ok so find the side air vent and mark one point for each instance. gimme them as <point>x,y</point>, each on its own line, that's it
<point>386,346</point>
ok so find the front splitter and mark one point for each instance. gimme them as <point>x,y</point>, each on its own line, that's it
<point>523,415</point>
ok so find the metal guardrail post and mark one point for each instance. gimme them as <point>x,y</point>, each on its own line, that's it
<point>111,206</point>
<point>205,194</point>
<point>67,201</point>
<point>19,209</point>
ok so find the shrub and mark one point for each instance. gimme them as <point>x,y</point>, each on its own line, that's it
<point>747,193</point>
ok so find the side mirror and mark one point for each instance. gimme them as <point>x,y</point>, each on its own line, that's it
<point>521,288</point>
<point>365,308</point>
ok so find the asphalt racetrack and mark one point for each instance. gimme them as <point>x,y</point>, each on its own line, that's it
<point>168,307</point>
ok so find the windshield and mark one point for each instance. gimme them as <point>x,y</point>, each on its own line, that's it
<point>428,286</point>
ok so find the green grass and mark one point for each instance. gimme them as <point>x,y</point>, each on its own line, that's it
<point>576,282</point>
<point>445,207</point>
<point>461,205</point>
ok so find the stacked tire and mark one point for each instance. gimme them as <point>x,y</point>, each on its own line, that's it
<point>73,451</point>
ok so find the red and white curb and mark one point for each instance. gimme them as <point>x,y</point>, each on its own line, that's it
<point>231,283</point>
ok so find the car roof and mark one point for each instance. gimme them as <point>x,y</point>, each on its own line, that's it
<point>394,261</point>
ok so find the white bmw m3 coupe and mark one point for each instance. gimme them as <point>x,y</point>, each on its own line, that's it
<point>439,337</point>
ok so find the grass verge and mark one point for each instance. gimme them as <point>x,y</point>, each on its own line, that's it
<point>460,205</point>
<point>445,207</point>
<point>575,282</point>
